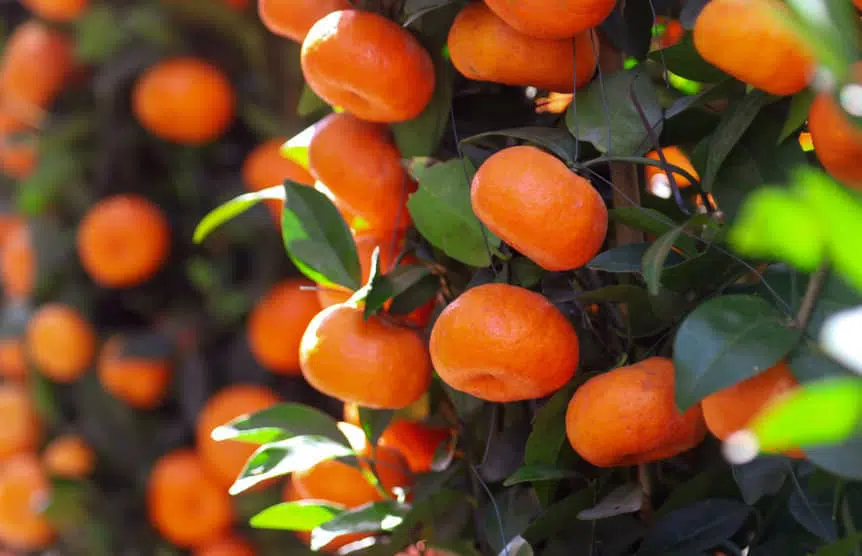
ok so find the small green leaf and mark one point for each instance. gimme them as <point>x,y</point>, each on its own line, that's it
<point>415,296</point>
<point>654,258</point>
<point>761,477</point>
<point>397,281</point>
<point>374,422</point>
<point>296,148</point>
<point>537,472</point>
<point>304,515</point>
<point>625,258</point>
<point>625,499</point>
<point>839,459</point>
<point>800,104</point>
<point>280,422</point>
<point>695,528</point>
<point>525,272</point>
<point>369,518</point>
<point>558,142</point>
<point>234,208</point>
<point>309,103</point>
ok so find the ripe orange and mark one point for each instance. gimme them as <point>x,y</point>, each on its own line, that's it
<point>370,66</point>
<point>24,488</point>
<point>69,456</point>
<point>744,39</point>
<point>13,359</point>
<point>184,100</point>
<point>140,382</point>
<point>231,545</point>
<point>628,416</point>
<point>123,240</point>
<point>562,19</point>
<point>22,429</point>
<point>25,85</point>
<point>264,167</point>
<point>484,48</point>
<point>673,32</point>
<point>277,322</point>
<point>541,208</point>
<point>184,504</point>
<point>225,459</point>
<point>18,156</point>
<point>416,441</point>
<point>658,179</point>
<point>359,163</point>
<point>503,343</point>
<point>837,141</point>
<point>389,366</point>
<point>61,11</point>
<point>293,19</point>
<point>18,262</point>
<point>60,343</point>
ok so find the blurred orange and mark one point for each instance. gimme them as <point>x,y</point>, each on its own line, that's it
<point>69,456</point>
<point>24,489</point>
<point>140,382</point>
<point>22,429</point>
<point>60,342</point>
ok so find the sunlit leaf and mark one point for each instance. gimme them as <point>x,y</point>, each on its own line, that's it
<point>280,422</point>
<point>234,208</point>
<point>303,515</point>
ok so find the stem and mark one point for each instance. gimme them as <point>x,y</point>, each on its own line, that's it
<point>806,308</point>
<point>645,481</point>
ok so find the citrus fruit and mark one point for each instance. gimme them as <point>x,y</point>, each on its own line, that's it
<point>60,342</point>
<point>18,155</point>
<point>416,441</point>
<point>264,167</point>
<point>184,100</point>
<point>483,47</point>
<point>368,65</point>
<point>293,18</point>
<point>184,504</point>
<point>24,490</point>
<point>18,262</point>
<point>551,20</point>
<point>277,322</point>
<point>25,85</point>
<point>123,240</point>
<point>22,428</point>
<point>628,416</point>
<point>139,381</point>
<point>61,11</point>
<point>541,208</point>
<point>658,180</point>
<point>503,343</point>
<point>389,366</point>
<point>745,39</point>
<point>671,34</point>
<point>13,359</point>
<point>225,459</point>
<point>69,456</point>
<point>232,545</point>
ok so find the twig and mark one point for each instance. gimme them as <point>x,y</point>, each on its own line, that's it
<point>809,300</point>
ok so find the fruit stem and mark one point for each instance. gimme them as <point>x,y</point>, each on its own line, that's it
<point>812,292</point>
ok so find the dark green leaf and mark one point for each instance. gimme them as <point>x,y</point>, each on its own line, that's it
<point>421,135</point>
<point>761,477</point>
<point>537,472</point>
<point>234,208</point>
<point>98,34</point>
<point>640,218</point>
<point>629,27</point>
<point>626,258</point>
<point>309,103</point>
<point>374,422</point>
<point>654,258</point>
<point>842,547</point>
<point>640,314</point>
<point>525,272</point>
<point>556,141</point>
<point>304,515</point>
<point>812,508</point>
<point>714,481</point>
<point>625,499</point>
<point>415,296</point>
<point>558,517</point>
<point>508,515</point>
<point>696,528</point>
<point>397,281</point>
<point>684,60</point>
<point>842,460</point>
<point>797,114</point>
<point>280,422</point>
<point>808,363</point>
<point>369,518</point>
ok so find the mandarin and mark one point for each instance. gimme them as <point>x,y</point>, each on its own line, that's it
<point>24,488</point>
<point>13,358</point>
<point>532,201</point>
<point>293,18</point>
<point>69,456</point>
<point>140,382</point>
<point>416,441</point>
<point>61,11</point>
<point>60,342</point>
<point>265,167</point>
<point>18,262</point>
<point>561,19</point>
<point>484,48</point>
<point>22,429</point>
<point>277,322</point>
<point>184,100</point>
<point>26,86</point>
<point>628,416</point>
<point>368,65</point>
<point>123,240</point>
<point>659,180</point>
<point>231,545</point>
<point>745,39</point>
<point>18,156</point>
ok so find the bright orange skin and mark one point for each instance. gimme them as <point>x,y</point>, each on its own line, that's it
<point>361,166</point>
<point>184,100</point>
<point>369,65</point>
<point>18,263</point>
<point>69,456</point>
<point>225,459</point>
<point>61,11</point>
<point>139,382</point>
<point>837,141</point>
<point>673,32</point>
<point>675,157</point>
<point>61,344</point>
<point>503,343</point>
<point>24,84</point>
<point>264,167</point>
<point>228,546</point>
<point>416,441</point>
<point>742,38</point>
<point>13,359</point>
<point>484,48</point>
<point>290,495</point>
<point>123,240</point>
<point>389,365</point>
<point>628,416</point>
<point>184,504</point>
<point>17,159</point>
<point>22,429</point>
<point>560,221</point>
<point>277,322</point>
<point>23,488</point>
<point>858,4</point>
<point>561,19</point>
<point>293,18</point>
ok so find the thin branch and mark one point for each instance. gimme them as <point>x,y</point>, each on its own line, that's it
<point>815,285</point>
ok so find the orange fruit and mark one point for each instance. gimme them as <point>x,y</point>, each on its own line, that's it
<point>293,19</point>
<point>277,322</point>
<point>359,163</point>
<point>184,504</point>
<point>18,262</point>
<point>416,441</point>
<point>837,141</point>
<point>22,429</point>
<point>746,40</point>
<point>389,365</point>
<point>731,409</point>
<point>225,459</point>
<point>673,32</point>
<point>858,4</point>
<point>368,65</point>
<point>24,489</point>
<point>184,100</point>
<point>503,343</point>
<point>60,343</point>
<point>628,416</point>
<point>139,381</point>
<point>264,167</point>
<point>13,359</point>
<point>25,85</point>
<point>123,240</point>
<point>231,545</point>
<point>657,179</point>
<point>18,156</point>
<point>484,48</point>
<point>69,456</point>
<point>290,495</point>
<point>61,11</point>
<point>561,19</point>
<point>533,202</point>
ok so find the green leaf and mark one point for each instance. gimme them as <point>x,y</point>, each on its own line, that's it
<point>641,316</point>
<point>317,239</point>
<point>415,296</point>
<point>442,212</point>
<point>841,547</point>
<point>507,515</point>
<point>800,104</point>
<point>421,135</point>
<point>280,422</point>
<point>556,141</point>
<point>518,546</point>
<point>525,272</point>
<point>696,528</point>
<point>655,257</point>
<point>98,35</point>
<point>374,422</point>
<point>839,459</point>
<point>808,362</point>
<point>309,103</point>
<point>625,258</point>
<point>812,508</point>
<point>296,148</point>
<point>625,499</point>
<point>558,517</point>
<point>397,281</point>
<point>286,456</point>
<point>726,340</point>
<point>369,518</point>
<point>761,477</point>
<point>234,208</point>
<point>304,515</point>
<point>648,220</point>
<point>605,115</point>
<point>684,60</point>
<point>538,472</point>
<point>44,186</point>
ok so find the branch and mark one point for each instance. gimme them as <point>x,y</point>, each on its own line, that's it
<point>806,308</point>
